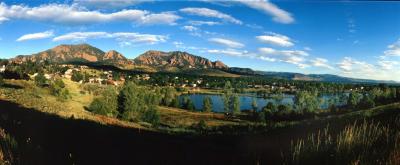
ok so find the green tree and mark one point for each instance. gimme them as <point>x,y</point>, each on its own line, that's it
<point>77,76</point>
<point>190,105</point>
<point>152,116</point>
<point>271,107</point>
<point>254,104</point>
<point>175,102</point>
<point>207,104</point>
<point>1,81</point>
<point>235,104</point>
<point>227,96</point>
<point>136,101</point>
<point>106,104</point>
<point>354,98</point>
<point>366,102</point>
<point>57,88</point>
<point>306,101</point>
<point>40,80</point>
<point>168,94</point>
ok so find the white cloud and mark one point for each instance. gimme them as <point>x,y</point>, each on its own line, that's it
<point>393,49</point>
<point>321,62</point>
<point>296,57</point>
<point>351,66</point>
<point>75,15</point>
<point>229,52</point>
<point>278,14</point>
<point>82,36</point>
<point>387,64</point>
<point>226,42</point>
<point>307,48</point>
<point>190,28</point>
<point>205,12</point>
<point>199,23</point>
<point>108,3</point>
<point>35,36</point>
<point>194,31</point>
<point>124,38</point>
<point>384,69</point>
<point>3,19</point>
<point>139,38</point>
<point>160,18</point>
<point>276,39</point>
<point>182,46</point>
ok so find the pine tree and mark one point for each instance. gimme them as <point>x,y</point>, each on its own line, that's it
<point>106,104</point>
<point>207,104</point>
<point>235,105</point>
<point>1,81</point>
<point>40,80</point>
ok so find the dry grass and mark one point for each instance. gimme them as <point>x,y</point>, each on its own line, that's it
<point>365,143</point>
<point>175,117</point>
<point>30,96</point>
<point>8,147</point>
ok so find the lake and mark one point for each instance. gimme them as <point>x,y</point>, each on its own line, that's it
<point>246,100</point>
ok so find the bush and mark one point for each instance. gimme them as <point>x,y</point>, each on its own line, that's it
<point>8,148</point>
<point>106,104</point>
<point>152,116</point>
<point>134,101</point>
<point>201,126</point>
<point>76,76</point>
<point>207,104</point>
<point>1,81</point>
<point>57,88</point>
<point>40,80</point>
<point>365,143</point>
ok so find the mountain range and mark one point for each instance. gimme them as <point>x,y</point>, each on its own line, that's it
<point>175,61</point>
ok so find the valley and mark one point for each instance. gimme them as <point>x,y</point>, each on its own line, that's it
<point>58,105</point>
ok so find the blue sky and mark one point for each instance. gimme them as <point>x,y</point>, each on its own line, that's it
<point>354,39</point>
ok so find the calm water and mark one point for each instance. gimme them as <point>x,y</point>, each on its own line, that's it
<point>246,100</point>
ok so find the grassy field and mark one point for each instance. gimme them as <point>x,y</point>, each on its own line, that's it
<point>28,95</point>
<point>44,117</point>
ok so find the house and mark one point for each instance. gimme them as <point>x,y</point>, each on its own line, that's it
<point>146,77</point>
<point>3,69</point>
<point>194,85</point>
<point>48,76</point>
<point>84,67</point>
<point>68,73</point>
<point>111,82</point>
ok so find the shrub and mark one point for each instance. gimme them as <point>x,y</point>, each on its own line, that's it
<point>106,104</point>
<point>363,143</point>
<point>77,76</point>
<point>135,101</point>
<point>207,104</point>
<point>1,81</point>
<point>57,88</point>
<point>8,148</point>
<point>201,126</point>
<point>40,80</point>
<point>152,116</point>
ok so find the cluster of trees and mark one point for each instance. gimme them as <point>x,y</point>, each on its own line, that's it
<point>272,112</point>
<point>230,99</point>
<point>40,80</point>
<point>376,96</point>
<point>131,103</point>
<point>1,80</point>
<point>57,88</point>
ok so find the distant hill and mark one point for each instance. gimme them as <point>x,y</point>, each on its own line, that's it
<point>175,62</point>
<point>319,77</point>
<point>75,53</point>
